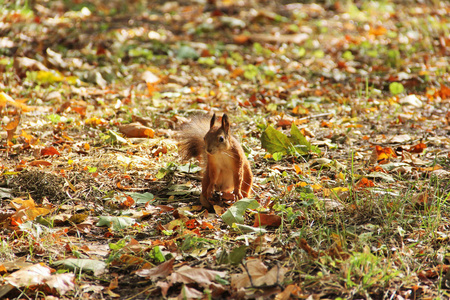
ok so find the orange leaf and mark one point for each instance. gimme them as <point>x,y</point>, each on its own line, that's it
<point>417,148</point>
<point>151,88</point>
<point>237,72</point>
<point>207,225</point>
<point>63,107</point>
<point>192,224</point>
<point>284,123</point>
<point>49,151</point>
<point>364,182</point>
<point>127,203</point>
<point>267,220</point>
<point>326,124</point>
<point>35,163</point>
<point>241,39</point>
<point>384,153</point>
<point>297,169</point>
<point>11,127</point>
<point>444,92</point>
<point>136,130</point>
<point>379,30</point>
<point>81,110</point>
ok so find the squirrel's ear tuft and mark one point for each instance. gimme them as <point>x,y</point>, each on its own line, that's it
<point>225,123</point>
<point>213,121</point>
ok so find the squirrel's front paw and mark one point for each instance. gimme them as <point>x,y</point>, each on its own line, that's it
<point>238,195</point>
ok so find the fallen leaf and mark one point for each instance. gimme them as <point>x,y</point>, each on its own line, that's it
<point>259,275</point>
<point>36,163</point>
<point>161,271</point>
<point>49,151</point>
<point>189,293</point>
<point>291,289</point>
<point>267,220</point>
<point>136,130</point>
<point>365,183</point>
<point>384,154</point>
<point>203,277</point>
<point>11,127</point>
<point>417,148</point>
<point>86,265</point>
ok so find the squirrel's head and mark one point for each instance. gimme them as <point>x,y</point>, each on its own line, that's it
<point>217,138</point>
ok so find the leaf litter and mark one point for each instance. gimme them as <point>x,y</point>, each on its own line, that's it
<point>342,110</point>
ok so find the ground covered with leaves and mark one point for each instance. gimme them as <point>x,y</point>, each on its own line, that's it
<point>342,109</point>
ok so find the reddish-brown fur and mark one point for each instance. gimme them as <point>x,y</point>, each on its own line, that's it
<point>227,168</point>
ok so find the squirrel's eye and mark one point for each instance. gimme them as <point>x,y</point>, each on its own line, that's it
<point>221,139</point>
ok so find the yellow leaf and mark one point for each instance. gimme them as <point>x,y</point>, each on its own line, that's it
<point>32,213</point>
<point>20,203</point>
<point>267,156</point>
<point>339,190</point>
<point>316,186</point>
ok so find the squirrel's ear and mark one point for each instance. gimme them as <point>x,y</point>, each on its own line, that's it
<point>213,121</point>
<point>225,123</point>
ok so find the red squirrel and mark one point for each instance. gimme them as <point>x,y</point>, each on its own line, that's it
<point>226,168</point>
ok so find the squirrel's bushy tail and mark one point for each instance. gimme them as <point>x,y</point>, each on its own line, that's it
<point>190,138</point>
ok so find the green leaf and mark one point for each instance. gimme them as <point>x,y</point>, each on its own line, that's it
<point>142,198</point>
<point>235,214</point>
<point>347,55</point>
<point>113,138</point>
<point>298,139</point>
<point>116,223</point>
<point>157,255</point>
<point>396,88</point>
<point>249,229</point>
<point>278,143</point>
<point>189,168</point>
<point>117,246</point>
<point>277,156</point>
<point>186,52</point>
<point>250,71</point>
<point>237,255</point>
<point>86,265</point>
<point>274,141</point>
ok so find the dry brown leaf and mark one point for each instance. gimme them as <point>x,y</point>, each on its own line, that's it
<point>203,277</point>
<point>189,293</point>
<point>291,289</point>
<point>161,271</point>
<point>422,199</point>
<point>267,220</point>
<point>259,275</point>
<point>61,283</point>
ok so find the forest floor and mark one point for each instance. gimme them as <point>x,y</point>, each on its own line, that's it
<point>342,109</point>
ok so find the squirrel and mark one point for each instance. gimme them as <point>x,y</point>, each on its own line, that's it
<point>226,168</point>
